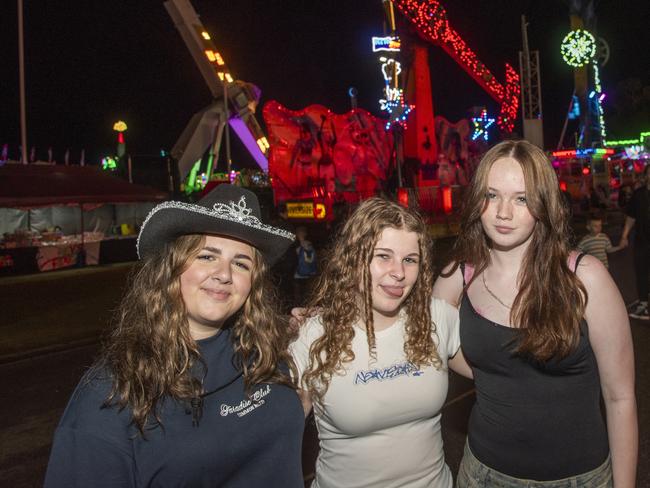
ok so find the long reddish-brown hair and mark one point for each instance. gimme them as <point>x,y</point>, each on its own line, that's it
<point>150,354</point>
<point>343,292</point>
<point>551,301</point>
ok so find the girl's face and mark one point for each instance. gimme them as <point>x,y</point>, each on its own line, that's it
<point>216,284</point>
<point>394,270</point>
<point>506,219</point>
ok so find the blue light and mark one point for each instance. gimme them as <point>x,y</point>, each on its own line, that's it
<point>592,94</point>
<point>481,126</point>
<point>385,44</point>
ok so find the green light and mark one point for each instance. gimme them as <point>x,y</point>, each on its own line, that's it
<point>628,142</point>
<point>578,48</point>
<point>190,186</point>
<point>109,164</point>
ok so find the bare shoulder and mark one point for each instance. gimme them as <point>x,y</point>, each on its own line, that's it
<point>605,307</point>
<point>449,286</point>
<point>592,272</point>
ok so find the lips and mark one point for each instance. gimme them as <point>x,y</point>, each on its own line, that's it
<point>503,230</point>
<point>217,294</point>
<point>393,291</point>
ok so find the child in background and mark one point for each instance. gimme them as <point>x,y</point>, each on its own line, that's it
<point>306,268</point>
<point>597,243</point>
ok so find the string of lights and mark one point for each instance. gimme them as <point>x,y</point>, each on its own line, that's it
<point>430,20</point>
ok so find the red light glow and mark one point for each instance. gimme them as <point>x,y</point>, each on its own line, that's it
<point>403,197</point>
<point>430,20</point>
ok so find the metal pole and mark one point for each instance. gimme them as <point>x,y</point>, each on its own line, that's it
<point>566,121</point>
<point>21,70</point>
<point>227,114</point>
<point>397,135</point>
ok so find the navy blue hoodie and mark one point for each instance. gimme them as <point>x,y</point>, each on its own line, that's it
<point>240,441</point>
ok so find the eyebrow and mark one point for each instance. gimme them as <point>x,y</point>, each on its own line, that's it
<point>216,250</point>
<point>516,193</point>
<point>386,249</point>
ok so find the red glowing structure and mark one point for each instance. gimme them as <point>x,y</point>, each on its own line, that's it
<point>430,20</point>
<point>323,157</point>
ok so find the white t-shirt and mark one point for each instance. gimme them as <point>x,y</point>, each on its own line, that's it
<point>379,423</point>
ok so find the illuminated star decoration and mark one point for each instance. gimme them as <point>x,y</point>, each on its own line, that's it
<point>481,125</point>
<point>398,111</point>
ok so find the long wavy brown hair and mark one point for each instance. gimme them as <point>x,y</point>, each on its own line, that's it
<point>150,353</point>
<point>343,292</point>
<point>551,300</point>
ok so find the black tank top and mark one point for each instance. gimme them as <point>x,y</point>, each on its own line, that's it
<point>539,421</point>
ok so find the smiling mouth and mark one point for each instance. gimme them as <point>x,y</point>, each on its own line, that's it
<point>217,294</point>
<point>393,291</point>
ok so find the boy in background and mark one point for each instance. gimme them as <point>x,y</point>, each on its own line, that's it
<point>596,242</point>
<point>306,268</point>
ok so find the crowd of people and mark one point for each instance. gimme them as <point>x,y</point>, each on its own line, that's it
<point>203,383</point>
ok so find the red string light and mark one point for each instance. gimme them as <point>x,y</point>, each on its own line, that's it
<point>430,20</point>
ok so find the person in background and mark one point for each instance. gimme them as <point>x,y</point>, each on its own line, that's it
<point>544,331</point>
<point>596,242</point>
<point>638,217</point>
<point>624,196</point>
<point>193,386</point>
<point>374,361</point>
<point>306,267</point>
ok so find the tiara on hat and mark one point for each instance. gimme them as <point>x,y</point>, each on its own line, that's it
<point>235,212</point>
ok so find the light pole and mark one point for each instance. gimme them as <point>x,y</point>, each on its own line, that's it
<point>21,70</point>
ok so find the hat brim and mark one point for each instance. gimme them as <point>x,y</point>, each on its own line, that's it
<point>165,224</point>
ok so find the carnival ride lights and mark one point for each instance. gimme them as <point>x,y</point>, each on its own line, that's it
<point>234,101</point>
<point>601,96</point>
<point>120,127</point>
<point>635,151</point>
<point>388,43</point>
<point>583,153</point>
<point>394,102</point>
<point>430,20</point>
<point>578,48</point>
<point>481,125</point>
<point>109,164</point>
<point>626,142</point>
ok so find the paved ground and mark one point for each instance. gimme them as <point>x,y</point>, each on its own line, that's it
<point>49,329</point>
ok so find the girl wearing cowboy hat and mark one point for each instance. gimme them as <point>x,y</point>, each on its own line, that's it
<point>192,388</point>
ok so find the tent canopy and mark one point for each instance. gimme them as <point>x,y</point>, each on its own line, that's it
<point>36,185</point>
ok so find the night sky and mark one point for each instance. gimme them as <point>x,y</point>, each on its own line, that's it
<point>92,62</point>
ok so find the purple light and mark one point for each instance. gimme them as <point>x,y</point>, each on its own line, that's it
<point>246,137</point>
<point>602,97</point>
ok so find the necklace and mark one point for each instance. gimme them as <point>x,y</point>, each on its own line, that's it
<point>492,294</point>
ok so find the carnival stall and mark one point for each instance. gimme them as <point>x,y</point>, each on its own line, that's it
<point>54,217</point>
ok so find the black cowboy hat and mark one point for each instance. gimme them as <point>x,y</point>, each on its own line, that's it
<point>228,210</point>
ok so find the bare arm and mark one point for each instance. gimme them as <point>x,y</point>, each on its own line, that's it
<point>450,289</point>
<point>627,228</point>
<point>611,340</point>
<point>458,364</point>
<point>305,399</point>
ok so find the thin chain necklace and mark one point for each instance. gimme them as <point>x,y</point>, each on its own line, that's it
<point>492,294</point>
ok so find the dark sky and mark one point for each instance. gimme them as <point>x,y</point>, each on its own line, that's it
<point>91,62</point>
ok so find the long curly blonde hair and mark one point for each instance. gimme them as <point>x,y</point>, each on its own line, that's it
<point>551,301</point>
<point>150,354</point>
<point>344,293</point>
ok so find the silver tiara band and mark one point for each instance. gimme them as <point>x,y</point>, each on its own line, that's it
<point>234,212</point>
